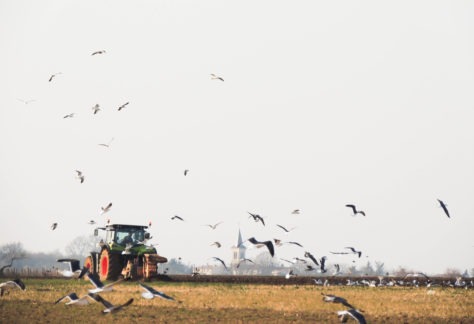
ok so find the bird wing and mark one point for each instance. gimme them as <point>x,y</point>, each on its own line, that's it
<point>309,255</point>
<point>94,279</point>
<point>113,283</point>
<point>18,283</point>
<point>353,207</point>
<point>100,299</point>
<point>443,205</point>
<point>71,297</point>
<point>123,305</point>
<point>357,316</point>
<point>283,228</point>
<point>296,243</point>
<point>270,247</point>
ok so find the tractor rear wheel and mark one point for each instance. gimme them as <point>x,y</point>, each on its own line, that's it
<point>89,264</point>
<point>110,265</point>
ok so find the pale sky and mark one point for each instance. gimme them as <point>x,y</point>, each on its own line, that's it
<point>324,103</point>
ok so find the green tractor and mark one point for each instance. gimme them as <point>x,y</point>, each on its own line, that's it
<point>124,253</point>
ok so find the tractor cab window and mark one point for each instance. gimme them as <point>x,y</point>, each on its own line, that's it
<point>124,237</point>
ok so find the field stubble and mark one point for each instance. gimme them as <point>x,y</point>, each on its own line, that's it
<point>237,303</point>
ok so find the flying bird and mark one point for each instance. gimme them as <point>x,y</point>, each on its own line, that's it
<point>108,144</point>
<point>345,314</point>
<point>309,255</point>
<point>96,109</point>
<point>99,286</point>
<point>186,172</point>
<point>74,268</point>
<point>323,263</point>
<point>221,261</point>
<point>215,77</point>
<point>109,307</point>
<point>75,300</point>
<point>359,253</point>
<point>91,222</point>
<point>213,226</point>
<point>123,106</point>
<point>336,299</point>
<point>177,217</point>
<point>445,208</point>
<point>98,52</point>
<point>151,293</point>
<point>53,76</point>
<point>268,244</point>
<point>54,226</point>
<point>16,283</point>
<point>295,212</point>
<point>26,101</point>
<point>80,176</point>
<point>71,115</point>
<point>295,243</point>
<point>216,244</point>
<point>106,208</point>
<point>257,218</point>
<point>244,260</point>
<point>290,274</point>
<point>285,229</point>
<point>355,211</point>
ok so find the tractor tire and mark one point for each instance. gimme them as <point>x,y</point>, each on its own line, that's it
<point>110,265</point>
<point>89,264</point>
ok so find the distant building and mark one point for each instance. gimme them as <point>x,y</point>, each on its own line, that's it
<point>238,251</point>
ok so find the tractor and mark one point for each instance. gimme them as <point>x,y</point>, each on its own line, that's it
<point>124,253</point>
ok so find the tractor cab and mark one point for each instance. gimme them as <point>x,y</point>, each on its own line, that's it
<point>123,235</point>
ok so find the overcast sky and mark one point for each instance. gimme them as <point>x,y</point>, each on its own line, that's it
<point>324,103</point>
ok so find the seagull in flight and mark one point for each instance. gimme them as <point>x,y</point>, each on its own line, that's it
<point>106,208</point>
<point>186,172</point>
<point>91,222</point>
<point>26,101</point>
<point>71,115</point>
<point>216,244</point>
<point>345,314</point>
<point>98,52</point>
<point>336,299</point>
<point>177,217</point>
<point>123,106</point>
<point>445,208</point>
<point>75,300</point>
<point>285,229</point>
<point>16,283</point>
<point>257,218</point>
<point>53,76</point>
<point>309,255</point>
<point>221,261</point>
<point>80,176</point>
<point>108,144</point>
<point>355,211</point>
<point>294,243</point>
<point>215,77</point>
<point>74,268</point>
<point>96,108</point>
<point>99,286</point>
<point>109,307</point>
<point>54,226</point>
<point>244,260</point>
<point>268,244</point>
<point>151,293</point>
<point>354,251</point>
<point>295,212</point>
<point>213,226</point>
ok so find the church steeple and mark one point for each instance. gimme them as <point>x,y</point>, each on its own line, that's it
<point>239,240</point>
<point>238,251</point>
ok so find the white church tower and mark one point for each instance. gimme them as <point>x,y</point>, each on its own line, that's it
<point>238,251</point>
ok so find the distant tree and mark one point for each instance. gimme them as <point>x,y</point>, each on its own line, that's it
<point>465,274</point>
<point>367,270</point>
<point>379,268</point>
<point>452,272</point>
<point>352,270</point>
<point>9,253</point>
<point>472,273</point>
<point>402,272</point>
<point>81,246</point>
<point>177,267</point>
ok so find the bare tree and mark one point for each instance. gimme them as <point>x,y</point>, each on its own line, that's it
<point>81,246</point>
<point>9,253</point>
